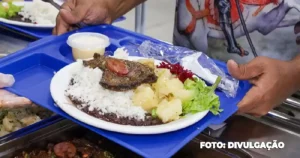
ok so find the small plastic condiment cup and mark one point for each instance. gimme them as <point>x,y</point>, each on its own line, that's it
<point>85,45</point>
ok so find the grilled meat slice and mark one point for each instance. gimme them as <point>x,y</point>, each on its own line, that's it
<point>98,61</point>
<point>121,75</point>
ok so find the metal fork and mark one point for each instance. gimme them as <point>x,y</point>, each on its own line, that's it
<point>78,26</point>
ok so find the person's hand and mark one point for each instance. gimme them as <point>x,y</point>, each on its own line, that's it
<point>10,101</point>
<point>273,81</point>
<point>89,12</point>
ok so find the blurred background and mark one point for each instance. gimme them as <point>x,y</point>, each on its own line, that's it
<point>159,19</point>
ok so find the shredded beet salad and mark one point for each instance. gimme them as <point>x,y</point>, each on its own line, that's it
<point>177,69</point>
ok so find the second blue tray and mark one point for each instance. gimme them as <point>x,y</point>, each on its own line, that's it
<point>37,32</point>
<point>35,66</point>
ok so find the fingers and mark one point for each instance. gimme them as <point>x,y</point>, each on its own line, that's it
<point>259,111</point>
<point>245,71</point>
<point>13,101</point>
<point>250,101</point>
<point>69,14</point>
<point>61,26</point>
<point>75,15</point>
<point>254,103</point>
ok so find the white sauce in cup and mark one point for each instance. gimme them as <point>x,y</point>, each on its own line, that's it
<point>84,45</point>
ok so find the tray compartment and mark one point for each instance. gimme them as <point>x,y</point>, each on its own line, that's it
<point>31,128</point>
<point>32,70</point>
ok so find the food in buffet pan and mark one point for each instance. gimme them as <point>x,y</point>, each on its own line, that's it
<point>13,119</point>
<point>63,139</point>
<point>75,148</point>
<point>48,143</point>
<point>34,12</point>
<point>17,112</point>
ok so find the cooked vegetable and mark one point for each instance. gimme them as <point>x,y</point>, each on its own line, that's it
<point>204,97</point>
<point>153,113</point>
<point>167,85</point>
<point>16,118</point>
<point>176,88</point>
<point>169,111</point>
<point>164,98</point>
<point>9,11</point>
<point>177,70</point>
<point>145,97</point>
<point>2,11</point>
<point>148,62</point>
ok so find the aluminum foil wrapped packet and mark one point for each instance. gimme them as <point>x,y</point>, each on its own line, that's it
<point>199,63</point>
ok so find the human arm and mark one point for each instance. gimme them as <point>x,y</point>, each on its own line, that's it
<point>91,12</point>
<point>273,81</point>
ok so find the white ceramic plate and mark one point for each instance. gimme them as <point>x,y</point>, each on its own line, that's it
<point>60,83</point>
<point>24,24</point>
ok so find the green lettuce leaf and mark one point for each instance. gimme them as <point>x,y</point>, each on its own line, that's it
<point>204,97</point>
<point>11,11</point>
<point>153,113</point>
<point>3,13</point>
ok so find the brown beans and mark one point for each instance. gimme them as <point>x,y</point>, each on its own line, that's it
<point>111,117</point>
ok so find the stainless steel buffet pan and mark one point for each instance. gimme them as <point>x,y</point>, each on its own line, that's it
<point>66,130</point>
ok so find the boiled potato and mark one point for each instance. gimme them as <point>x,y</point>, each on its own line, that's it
<point>163,73</point>
<point>174,87</point>
<point>148,62</point>
<point>28,120</point>
<point>8,124</point>
<point>141,88</point>
<point>164,76</point>
<point>174,84</point>
<point>145,97</point>
<point>160,87</point>
<point>169,111</point>
<point>3,131</point>
<point>183,94</point>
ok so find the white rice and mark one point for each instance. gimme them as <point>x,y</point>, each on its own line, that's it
<point>39,12</point>
<point>88,90</point>
<point>121,53</point>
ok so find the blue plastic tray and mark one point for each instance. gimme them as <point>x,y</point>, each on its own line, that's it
<point>35,126</point>
<point>34,67</point>
<point>38,32</point>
